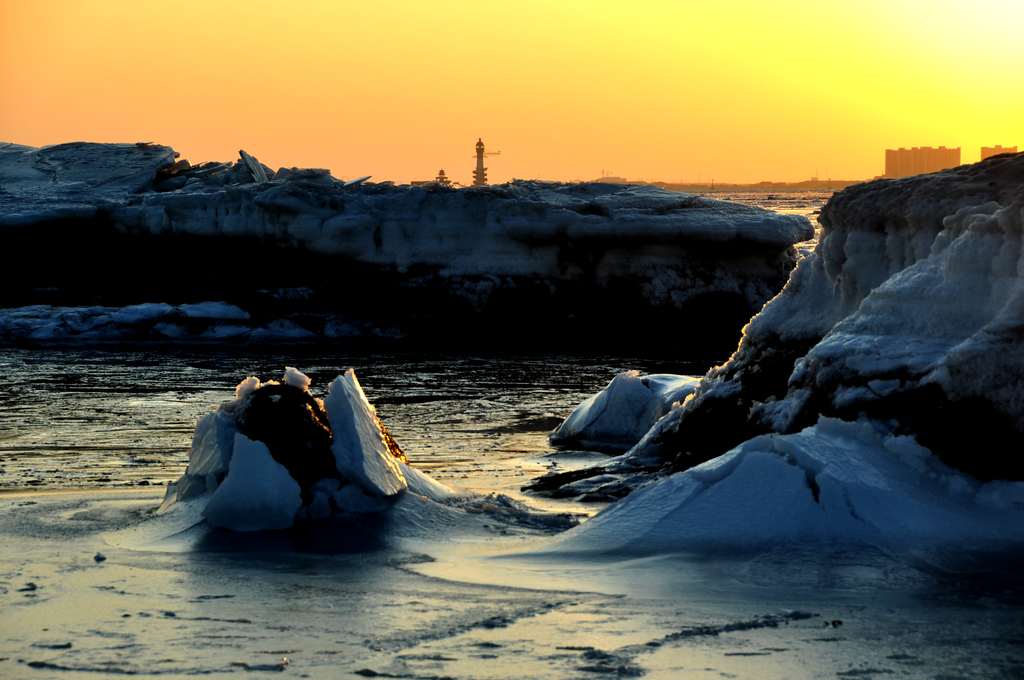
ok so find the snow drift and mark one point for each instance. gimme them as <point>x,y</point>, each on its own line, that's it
<point>833,483</point>
<point>910,312</point>
<point>563,254</point>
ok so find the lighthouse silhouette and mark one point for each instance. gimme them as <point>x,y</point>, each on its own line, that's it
<point>480,173</point>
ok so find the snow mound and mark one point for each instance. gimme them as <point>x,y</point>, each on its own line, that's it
<point>617,417</point>
<point>74,180</point>
<point>835,482</point>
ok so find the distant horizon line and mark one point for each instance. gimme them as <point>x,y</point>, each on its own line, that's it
<point>616,179</point>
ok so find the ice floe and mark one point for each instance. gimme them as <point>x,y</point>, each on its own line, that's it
<point>617,417</point>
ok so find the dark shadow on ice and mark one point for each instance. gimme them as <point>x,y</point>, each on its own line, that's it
<point>339,536</point>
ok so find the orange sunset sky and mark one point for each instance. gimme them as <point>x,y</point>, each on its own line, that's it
<point>731,91</point>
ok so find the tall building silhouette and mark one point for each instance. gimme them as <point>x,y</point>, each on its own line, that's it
<point>480,172</point>
<point>989,151</point>
<point>919,160</point>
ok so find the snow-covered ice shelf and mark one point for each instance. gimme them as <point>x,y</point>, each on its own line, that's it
<point>327,255</point>
<point>908,319</point>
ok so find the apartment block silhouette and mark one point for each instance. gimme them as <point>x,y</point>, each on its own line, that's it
<point>989,151</point>
<point>919,160</point>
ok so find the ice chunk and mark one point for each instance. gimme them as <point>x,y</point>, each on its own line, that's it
<point>282,329</point>
<point>910,309</point>
<point>619,415</point>
<point>257,494</point>
<point>296,378</point>
<point>214,310</point>
<point>225,331</point>
<point>320,506</point>
<point>147,311</point>
<point>360,450</point>
<point>247,387</point>
<point>212,444</point>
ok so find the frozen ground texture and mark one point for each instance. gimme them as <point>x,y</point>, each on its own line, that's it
<point>910,311</point>
<point>537,245</point>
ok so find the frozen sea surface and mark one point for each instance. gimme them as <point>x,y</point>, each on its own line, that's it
<point>78,600</point>
<point>452,594</point>
<point>116,419</point>
<point>87,440</point>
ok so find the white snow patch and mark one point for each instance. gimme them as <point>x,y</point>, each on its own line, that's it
<point>225,331</point>
<point>146,311</point>
<point>422,484</point>
<point>282,329</point>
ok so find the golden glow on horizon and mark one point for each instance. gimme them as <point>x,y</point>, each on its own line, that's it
<point>671,90</point>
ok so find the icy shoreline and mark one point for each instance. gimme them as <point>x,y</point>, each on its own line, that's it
<point>906,322</point>
<point>570,256</point>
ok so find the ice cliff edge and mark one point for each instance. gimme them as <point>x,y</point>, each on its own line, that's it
<point>909,315</point>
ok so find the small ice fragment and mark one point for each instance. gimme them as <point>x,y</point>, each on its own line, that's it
<point>247,387</point>
<point>296,378</point>
<point>214,310</point>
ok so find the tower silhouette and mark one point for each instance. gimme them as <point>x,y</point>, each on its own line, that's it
<point>480,172</point>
